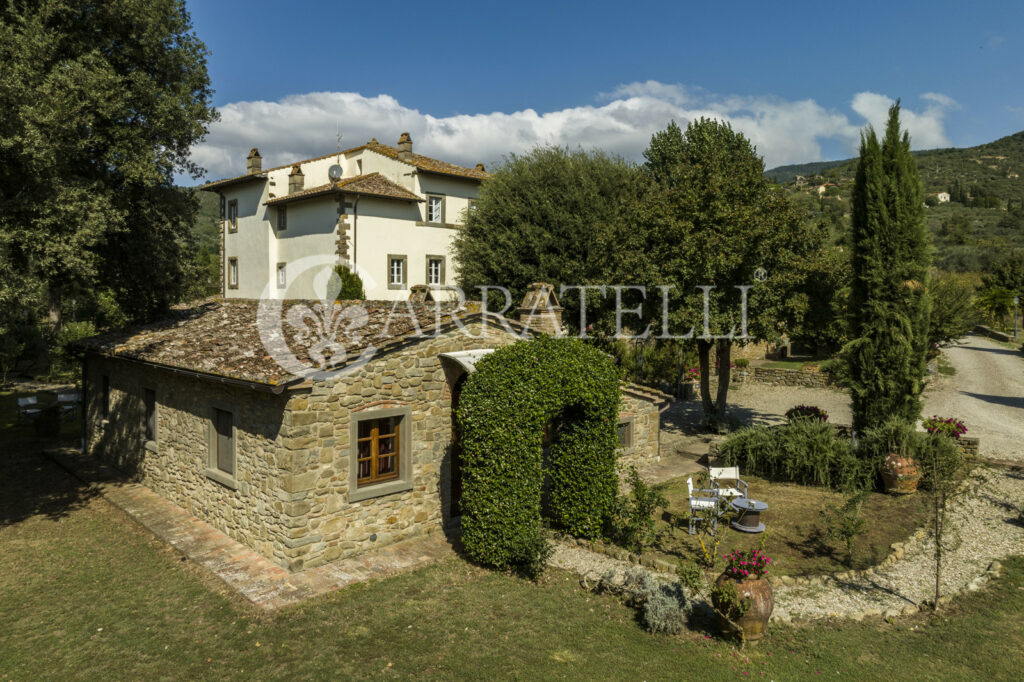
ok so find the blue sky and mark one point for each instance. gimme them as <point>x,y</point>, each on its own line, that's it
<point>475,81</point>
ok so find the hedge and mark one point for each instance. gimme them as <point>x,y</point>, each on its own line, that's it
<point>505,405</point>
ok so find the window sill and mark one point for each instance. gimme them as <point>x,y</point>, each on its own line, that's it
<point>450,226</point>
<point>379,490</point>
<point>226,480</point>
<point>396,287</point>
<point>152,446</point>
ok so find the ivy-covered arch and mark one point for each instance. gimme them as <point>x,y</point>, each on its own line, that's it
<point>503,410</point>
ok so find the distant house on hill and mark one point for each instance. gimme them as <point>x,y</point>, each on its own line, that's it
<point>942,197</point>
<point>386,210</point>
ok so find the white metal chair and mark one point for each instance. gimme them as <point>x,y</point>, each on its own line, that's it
<point>28,408</point>
<point>733,482</point>
<point>702,504</point>
<point>68,402</point>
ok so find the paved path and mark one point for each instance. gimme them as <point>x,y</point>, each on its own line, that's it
<point>987,392</point>
<point>252,575</point>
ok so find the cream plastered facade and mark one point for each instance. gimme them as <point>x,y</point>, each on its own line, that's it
<point>358,229</point>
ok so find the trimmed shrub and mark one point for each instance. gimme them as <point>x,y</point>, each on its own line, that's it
<point>806,412</point>
<point>505,406</point>
<point>805,451</point>
<point>742,363</point>
<point>349,284</point>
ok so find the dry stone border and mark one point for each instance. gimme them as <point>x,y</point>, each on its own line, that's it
<point>981,518</point>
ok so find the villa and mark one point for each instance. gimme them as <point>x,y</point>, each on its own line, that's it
<point>386,212</point>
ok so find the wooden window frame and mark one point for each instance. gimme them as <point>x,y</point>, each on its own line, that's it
<point>442,274</point>
<point>150,419</point>
<point>232,269</point>
<point>232,217</point>
<point>213,470</point>
<point>405,271</point>
<point>402,481</point>
<point>427,220</point>
<point>282,218</point>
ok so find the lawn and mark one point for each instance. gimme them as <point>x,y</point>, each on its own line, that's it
<point>88,594</point>
<point>795,534</point>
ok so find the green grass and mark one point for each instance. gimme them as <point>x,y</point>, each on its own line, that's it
<point>796,537</point>
<point>87,594</point>
<point>946,367</point>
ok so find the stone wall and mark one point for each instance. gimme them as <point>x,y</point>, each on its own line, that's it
<point>784,377</point>
<point>291,502</point>
<point>175,464</point>
<point>644,413</point>
<point>322,525</point>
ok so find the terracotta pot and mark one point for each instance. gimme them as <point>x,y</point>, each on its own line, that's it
<point>762,602</point>
<point>900,474</point>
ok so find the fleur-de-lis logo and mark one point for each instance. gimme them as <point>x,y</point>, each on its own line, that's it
<point>314,339</point>
<point>325,327</point>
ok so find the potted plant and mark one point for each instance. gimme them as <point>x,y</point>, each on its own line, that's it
<point>690,380</point>
<point>897,440</point>
<point>742,596</point>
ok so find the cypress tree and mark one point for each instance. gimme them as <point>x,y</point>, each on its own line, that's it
<point>889,306</point>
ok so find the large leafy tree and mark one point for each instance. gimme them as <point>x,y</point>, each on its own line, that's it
<point>718,222</point>
<point>889,303</point>
<point>548,216</point>
<point>102,101</point>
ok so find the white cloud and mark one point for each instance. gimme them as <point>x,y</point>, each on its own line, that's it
<point>927,129</point>
<point>302,126</point>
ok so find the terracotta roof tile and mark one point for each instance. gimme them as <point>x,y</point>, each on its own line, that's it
<point>418,160</point>
<point>222,337</point>
<point>428,164</point>
<point>371,184</point>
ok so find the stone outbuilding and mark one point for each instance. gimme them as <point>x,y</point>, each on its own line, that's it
<point>307,431</point>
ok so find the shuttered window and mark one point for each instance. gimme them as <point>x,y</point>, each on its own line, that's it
<point>224,441</point>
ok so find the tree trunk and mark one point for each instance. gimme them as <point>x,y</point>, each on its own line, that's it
<point>704,353</point>
<point>724,374</point>
<point>56,305</point>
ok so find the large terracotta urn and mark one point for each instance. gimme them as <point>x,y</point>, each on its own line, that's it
<point>762,601</point>
<point>900,474</point>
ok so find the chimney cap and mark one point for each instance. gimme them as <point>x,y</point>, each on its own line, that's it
<point>480,167</point>
<point>296,170</point>
<point>404,137</point>
<point>254,153</point>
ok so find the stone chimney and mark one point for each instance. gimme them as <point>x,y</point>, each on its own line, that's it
<point>480,167</point>
<point>540,310</point>
<point>296,180</point>
<point>420,293</point>
<point>253,162</point>
<point>405,147</point>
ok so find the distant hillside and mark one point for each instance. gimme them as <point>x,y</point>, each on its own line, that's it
<point>784,174</point>
<point>979,227</point>
<point>205,229</point>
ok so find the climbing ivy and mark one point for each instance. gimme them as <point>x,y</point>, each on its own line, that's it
<point>515,393</point>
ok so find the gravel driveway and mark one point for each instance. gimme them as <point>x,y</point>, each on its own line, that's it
<point>987,392</point>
